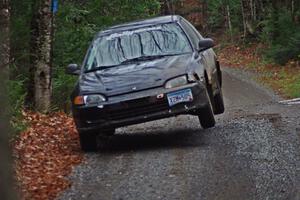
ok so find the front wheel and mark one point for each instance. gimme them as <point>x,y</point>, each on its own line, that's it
<point>206,114</point>
<point>88,141</point>
<point>206,117</point>
<point>219,102</point>
<point>108,132</point>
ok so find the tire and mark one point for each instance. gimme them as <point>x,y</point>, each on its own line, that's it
<point>210,94</point>
<point>206,114</point>
<point>88,141</point>
<point>206,117</point>
<point>219,73</point>
<point>109,132</point>
<point>104,137</point>
<point>219,107</point>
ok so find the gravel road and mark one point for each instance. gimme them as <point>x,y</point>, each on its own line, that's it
<point>252,153</point>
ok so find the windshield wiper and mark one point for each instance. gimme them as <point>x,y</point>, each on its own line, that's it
<point>99,68</point>
<point>143,58</point>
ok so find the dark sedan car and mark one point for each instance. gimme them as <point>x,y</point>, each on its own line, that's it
<point>143,71</point>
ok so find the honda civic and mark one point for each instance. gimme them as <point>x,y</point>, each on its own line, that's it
<point>143,71</point>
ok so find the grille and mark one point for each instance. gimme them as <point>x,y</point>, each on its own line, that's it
<point>136,108</point>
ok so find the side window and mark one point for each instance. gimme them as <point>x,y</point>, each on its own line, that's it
<point>195,30</point>
<point>191,33</point>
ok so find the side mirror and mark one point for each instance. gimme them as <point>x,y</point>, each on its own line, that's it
<point>205,44</point>
<point>73,69</point>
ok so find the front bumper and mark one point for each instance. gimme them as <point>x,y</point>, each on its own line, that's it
<point>137,108</point>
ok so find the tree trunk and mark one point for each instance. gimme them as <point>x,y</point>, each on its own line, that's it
<point>205,14</point>
<point>244,21</point>
<point>275,17</point>
<point>247,9</point>
<point>4,33</point>
<point>168,7</point>
<point>6,183</point>
<point>41,59</point>
<point>261,13</point>
<point>229,24</point>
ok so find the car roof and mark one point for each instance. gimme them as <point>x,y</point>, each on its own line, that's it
<point>139,24</point>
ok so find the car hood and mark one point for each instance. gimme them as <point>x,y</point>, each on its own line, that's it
<point>134,77</point>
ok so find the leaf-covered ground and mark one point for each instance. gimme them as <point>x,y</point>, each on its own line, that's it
<point>45,154</point>
<point>285,80</point>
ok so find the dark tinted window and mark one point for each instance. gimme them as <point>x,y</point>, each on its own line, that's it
<point>195,36</point>
<point>192,35</point>
<point>195,30</point>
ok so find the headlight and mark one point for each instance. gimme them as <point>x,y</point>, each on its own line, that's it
<point>176,82</point>
<point>93,99</point>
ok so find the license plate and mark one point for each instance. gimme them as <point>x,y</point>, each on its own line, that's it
<point>180,96</point>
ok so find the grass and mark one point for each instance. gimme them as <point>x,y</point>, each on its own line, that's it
<point>288,84</point>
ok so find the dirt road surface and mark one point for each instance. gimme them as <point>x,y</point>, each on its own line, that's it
<point>252,153</point>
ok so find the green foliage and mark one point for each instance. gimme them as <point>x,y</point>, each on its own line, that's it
<point>20,51</point>
<point>16,94</point>
<point>217,12</point>
<point>62,87</point>
<point>283,36</point>
<point>20,36</point>
<point>295,89</point>
<point>274,23</point>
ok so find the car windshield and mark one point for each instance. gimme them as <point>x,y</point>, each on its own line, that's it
<point>115,49</point>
